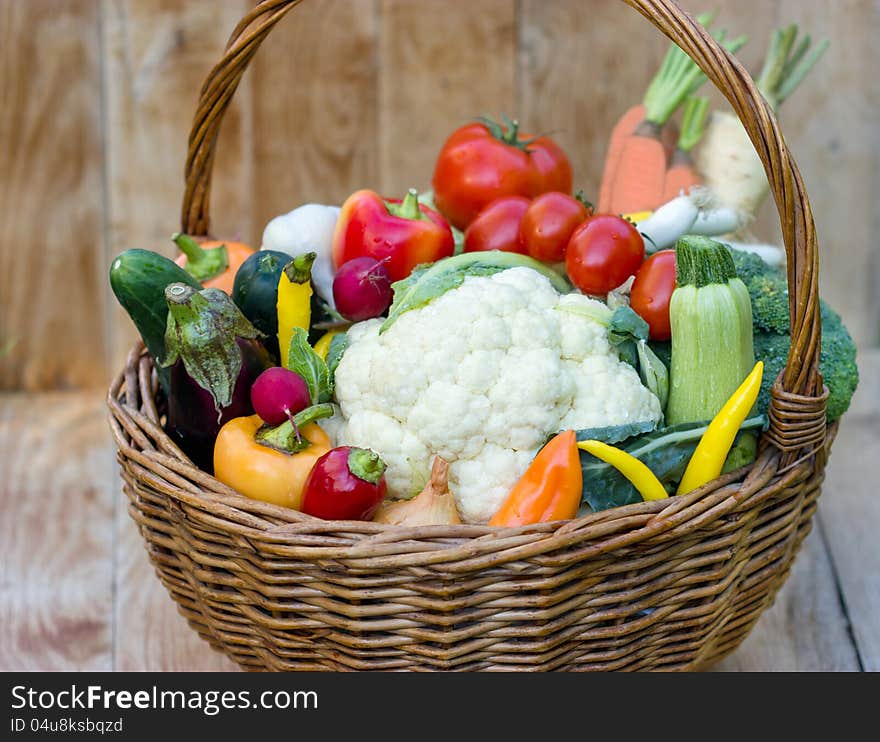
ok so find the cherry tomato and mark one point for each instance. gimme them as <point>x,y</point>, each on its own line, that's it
<point>602,253</point>
<point>484,161</point>
<point>652,290</point>
<point>497,226</point>
<point>548,224</point>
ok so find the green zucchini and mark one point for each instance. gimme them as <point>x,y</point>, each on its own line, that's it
<point>255,292</point>
<point>138,279</point>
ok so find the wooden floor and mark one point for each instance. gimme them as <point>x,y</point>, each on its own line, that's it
<point>77,592</point>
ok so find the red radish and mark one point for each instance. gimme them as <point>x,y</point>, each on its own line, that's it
<point>362,289</point>
<point>279,393</point>
<point>345,484</point>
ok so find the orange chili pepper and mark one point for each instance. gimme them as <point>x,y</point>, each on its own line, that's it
<point>550,489</point>
<point>211,262</point>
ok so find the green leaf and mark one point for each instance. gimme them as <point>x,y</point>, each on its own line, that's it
<point>653,373</point>
<point>302,359</point>
<point>625,331</point>
<point>430,282</point>
<point>616,433</point>
<point>338,345</point>
<point>665,452</point>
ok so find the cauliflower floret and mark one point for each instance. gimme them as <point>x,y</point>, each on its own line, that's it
<point>482,376</point>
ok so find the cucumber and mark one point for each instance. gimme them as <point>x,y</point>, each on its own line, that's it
<point>138,279</point>
<point>255,293</point>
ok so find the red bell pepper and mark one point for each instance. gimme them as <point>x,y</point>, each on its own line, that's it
<point>400,234</point>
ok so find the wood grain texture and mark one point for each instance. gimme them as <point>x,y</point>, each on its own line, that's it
<point>56,500</point>
<point>151,635</point>
<point>315,113</point>
<point>576,77</point>
<point>156,55</point>
<point>442,64</point>
<point>850,511</point>
<point>829,123</point>
<point>51,196</point>
<point>832,124</point>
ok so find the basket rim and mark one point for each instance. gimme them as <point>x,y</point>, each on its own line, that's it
<point>142,442</point>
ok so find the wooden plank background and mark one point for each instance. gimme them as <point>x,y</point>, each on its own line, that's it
<point>97,97</point>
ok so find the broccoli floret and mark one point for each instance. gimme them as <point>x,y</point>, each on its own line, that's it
<point>768,289</point>
<point>837,363</point>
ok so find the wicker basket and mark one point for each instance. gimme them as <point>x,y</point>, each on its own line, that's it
<point>675,584</point>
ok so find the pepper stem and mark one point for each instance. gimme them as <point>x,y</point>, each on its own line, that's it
<point>299,270</point>
<point>366,464</point>
<point>201,264</point>
<point>408,208</point>
<point>286,437</point>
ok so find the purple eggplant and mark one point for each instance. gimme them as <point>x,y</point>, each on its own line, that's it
<point>214,356</point>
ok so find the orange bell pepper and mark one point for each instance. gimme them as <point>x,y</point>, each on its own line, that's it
<point>212,263</point>
<point>550,489</point>
<point>262,472</point>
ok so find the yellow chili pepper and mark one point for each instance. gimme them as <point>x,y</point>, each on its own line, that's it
<point>294,303</point>
<point>639,475</point>
<point>322,347</point>
<point>711,452</point>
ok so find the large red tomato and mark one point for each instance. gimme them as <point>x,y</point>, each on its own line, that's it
<point>602,253</point>
<point>484,161</point>
<point>652,291</point>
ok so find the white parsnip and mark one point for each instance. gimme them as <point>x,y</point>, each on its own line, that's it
<point>727,160</point>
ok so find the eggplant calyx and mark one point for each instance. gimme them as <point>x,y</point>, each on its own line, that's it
<point>286,437</point>
<point>201,264</point>
<point>202,331</point>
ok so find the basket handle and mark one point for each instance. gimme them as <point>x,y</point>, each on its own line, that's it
<point>797,408</point>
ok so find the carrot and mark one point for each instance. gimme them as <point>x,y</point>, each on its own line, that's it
<point>641,172</point>
<point>682,175</point>
<point>623,129</point>
<point>639,179</point>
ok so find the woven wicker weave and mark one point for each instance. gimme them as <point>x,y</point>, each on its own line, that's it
<point>674,584</point>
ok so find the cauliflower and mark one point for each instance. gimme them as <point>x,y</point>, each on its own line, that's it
<point>482,376</point>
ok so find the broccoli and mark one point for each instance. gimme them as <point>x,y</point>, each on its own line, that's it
<point>768,290</point>
<point>837,362</point>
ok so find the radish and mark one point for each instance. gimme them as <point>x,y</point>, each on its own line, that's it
<point>362,289</point>
<point>278,394</point>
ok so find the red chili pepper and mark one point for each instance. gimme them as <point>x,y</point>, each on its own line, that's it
<point>402,234</point>
<point>549,490</point>
<point>345,484</point>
